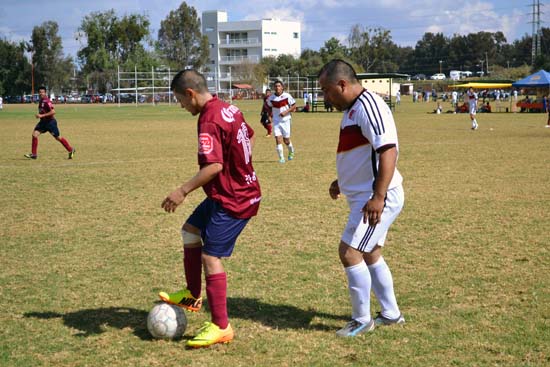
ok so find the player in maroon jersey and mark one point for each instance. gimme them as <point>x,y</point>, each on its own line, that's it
<point>47,123</point>
<point>227,177</point>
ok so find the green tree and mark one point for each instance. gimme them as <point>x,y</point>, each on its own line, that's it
<point>15,69</point>
<point>111,42</point>
<point>51,68</point>
<point>180,41</point>
<point>372,49</point>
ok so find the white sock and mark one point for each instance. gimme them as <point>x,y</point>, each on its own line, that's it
<point>382,285</point>
<point>359,284</point>
<point>280,151</point>
<point>290,148</point>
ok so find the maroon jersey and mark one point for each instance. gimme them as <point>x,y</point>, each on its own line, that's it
<point>45,106</point>
<point>224,137</point>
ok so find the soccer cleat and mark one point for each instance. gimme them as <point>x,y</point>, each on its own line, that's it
<point>354,328</point>
<point>281,160</point>
<point>290,156</point>
<point>31,156</point>
<point>381,320</point>
<point>211,334</point>
<point>183,299</point>
<point>71,153</point>
<point>268,135</point>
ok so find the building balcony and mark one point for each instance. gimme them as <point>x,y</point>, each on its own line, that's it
<point>240,43</point>
<point>235,60</point>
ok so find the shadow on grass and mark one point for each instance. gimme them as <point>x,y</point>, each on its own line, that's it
<point>96,321</point>
<point>278,316</point>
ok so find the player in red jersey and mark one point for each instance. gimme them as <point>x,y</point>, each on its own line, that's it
<point>266,113</point>
<point>233,195</point>
<point>47,123</point>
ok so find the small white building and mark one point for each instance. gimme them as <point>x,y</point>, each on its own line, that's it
<point>233,45</point>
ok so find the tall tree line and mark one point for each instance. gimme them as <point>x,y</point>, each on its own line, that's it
<point>109,40</point>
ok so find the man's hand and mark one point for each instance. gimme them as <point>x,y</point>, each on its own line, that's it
<point>334,190</point>
<point>372,211</point>
<point>173,200</point>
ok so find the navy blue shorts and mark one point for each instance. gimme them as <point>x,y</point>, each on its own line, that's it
<point>219,230</point>
<point>48,126</point>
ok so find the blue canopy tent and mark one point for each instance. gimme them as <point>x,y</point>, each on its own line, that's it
<point>540,79</point>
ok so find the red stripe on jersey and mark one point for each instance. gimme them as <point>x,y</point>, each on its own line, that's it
<point>351,137</point>
<point>280,103</point>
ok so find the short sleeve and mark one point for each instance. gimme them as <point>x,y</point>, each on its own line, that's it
<point>210,144</point>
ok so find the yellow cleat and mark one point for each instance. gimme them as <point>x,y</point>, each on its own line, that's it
<point>183,299</point>
<point>211,334</point>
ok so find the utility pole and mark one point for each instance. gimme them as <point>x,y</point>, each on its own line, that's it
<point>536,31</point>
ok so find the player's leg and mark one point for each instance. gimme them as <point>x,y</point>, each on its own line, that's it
<point>219,237</point>
<point>54,130</point>
<point>190,297</point>
<point>359,286</point>
<point>279,142</point>
<point>34,144</point>
<point>286,139</point>
<point>382,280</point>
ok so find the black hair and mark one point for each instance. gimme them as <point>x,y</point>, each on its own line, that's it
<point>189,78</point>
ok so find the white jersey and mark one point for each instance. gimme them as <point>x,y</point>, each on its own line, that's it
<point>280,104</point>
<point>367,126</point>
<point>472,100</point>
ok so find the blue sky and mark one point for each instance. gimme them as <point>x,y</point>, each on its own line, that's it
<point>408,20</point>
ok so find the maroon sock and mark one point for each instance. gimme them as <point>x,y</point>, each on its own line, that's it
<point>66,144</point>
<point>192,264</point>
<point>216,291</point>
<point>34,145</point>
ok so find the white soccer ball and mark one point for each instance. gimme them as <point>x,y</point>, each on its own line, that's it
<point>166,321</point>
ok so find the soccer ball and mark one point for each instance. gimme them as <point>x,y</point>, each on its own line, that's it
<point>166,321</point>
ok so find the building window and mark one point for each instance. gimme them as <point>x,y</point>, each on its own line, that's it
<point>266,49</point>
<point>266,32</point>
<point>211,45</point>
<point>295,34</point>
<point>209,29</point>
<point>273,32</point>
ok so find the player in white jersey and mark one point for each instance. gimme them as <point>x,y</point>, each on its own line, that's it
<point>472,102</point>
<point>367,175</point>
<point>282,105</point>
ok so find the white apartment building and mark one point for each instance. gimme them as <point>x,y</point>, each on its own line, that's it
<point>234,45</point>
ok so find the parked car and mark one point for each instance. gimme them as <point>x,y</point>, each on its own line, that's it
<point>438,76</point>
<point>466,74</point>
<point>419,77</point>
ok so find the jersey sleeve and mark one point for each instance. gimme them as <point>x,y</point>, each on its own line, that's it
<point>210,144</point>
<point>377,124</point>
<point>291,101</point>
<point>268,102</point>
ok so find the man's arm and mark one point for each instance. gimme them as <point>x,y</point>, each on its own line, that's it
<point>386,167</point>
<point>50,113</point>
<point>205,175</point>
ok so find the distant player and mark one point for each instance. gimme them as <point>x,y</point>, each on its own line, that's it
<point>265,114</point>
<point>282,105</point>
<point>1,103</point>
<point>47,123</point>
<point>366,162</point>
<point>472,104</point>
<point>233,196</point>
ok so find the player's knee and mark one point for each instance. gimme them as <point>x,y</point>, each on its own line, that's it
<point>190,239</point>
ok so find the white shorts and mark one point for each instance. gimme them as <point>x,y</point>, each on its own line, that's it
<point>363,237</point>
<point>282,129</point>
<point>473,109</point>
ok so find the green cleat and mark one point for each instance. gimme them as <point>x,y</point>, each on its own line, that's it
<point>183,299</point>
<point>290,156</point>
<point>211,334</point>
<point>71,153</point>
<point>31,156</point>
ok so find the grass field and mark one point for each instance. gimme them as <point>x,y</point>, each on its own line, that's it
<point>85,246</point>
